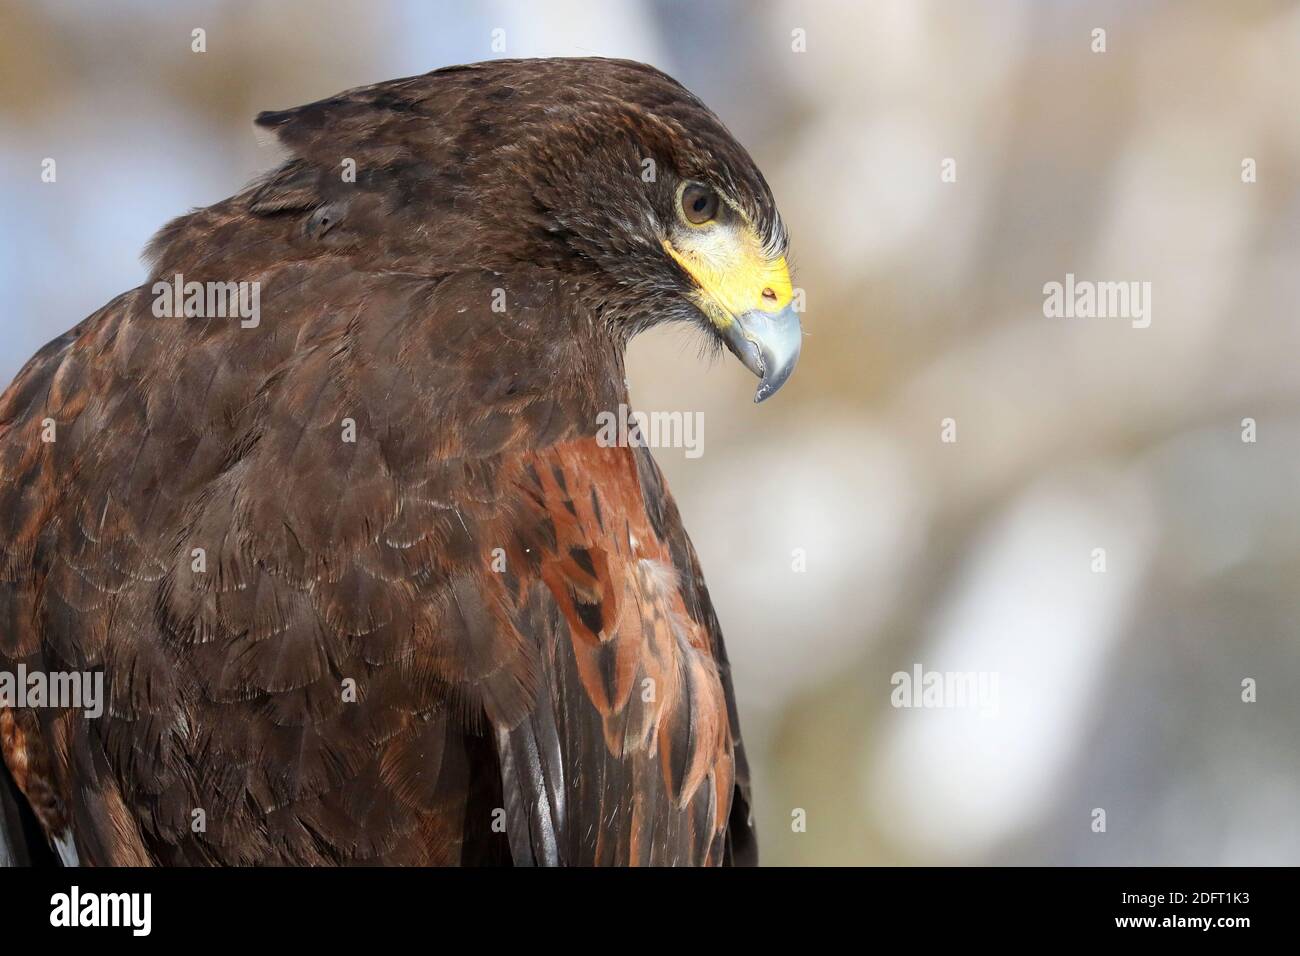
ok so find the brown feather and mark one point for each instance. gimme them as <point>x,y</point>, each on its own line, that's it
<point>307,639</point>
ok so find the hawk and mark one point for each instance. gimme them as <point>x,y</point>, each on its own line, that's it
<point>360,580</point>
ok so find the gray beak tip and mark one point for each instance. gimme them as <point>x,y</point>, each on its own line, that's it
<point>766,390</point>
<point>768,345</point>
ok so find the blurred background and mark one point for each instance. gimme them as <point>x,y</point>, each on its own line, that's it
<point>843,539</point>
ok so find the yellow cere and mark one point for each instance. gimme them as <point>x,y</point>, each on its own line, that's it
<point>732,272</point>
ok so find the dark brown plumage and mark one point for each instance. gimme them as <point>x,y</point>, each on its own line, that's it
<point>539,674</point>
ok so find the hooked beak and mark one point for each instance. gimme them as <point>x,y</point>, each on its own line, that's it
<point>767,343</point>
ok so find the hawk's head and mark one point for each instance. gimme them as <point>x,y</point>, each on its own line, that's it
<point>605,172</point>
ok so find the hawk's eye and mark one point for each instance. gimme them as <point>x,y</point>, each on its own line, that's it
<point>699,204</point>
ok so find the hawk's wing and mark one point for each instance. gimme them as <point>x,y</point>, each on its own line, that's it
<point>631,753</point>
<point>280,546</point>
